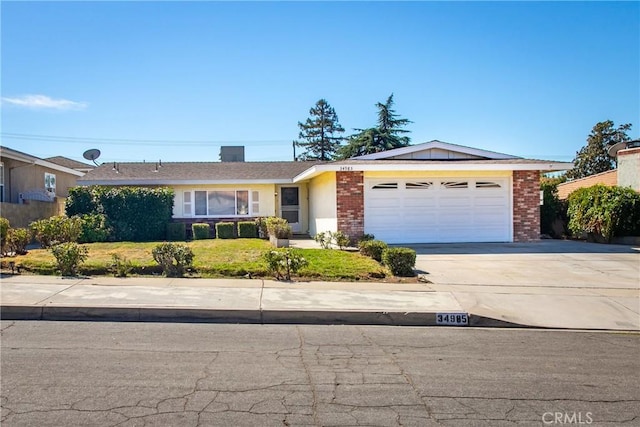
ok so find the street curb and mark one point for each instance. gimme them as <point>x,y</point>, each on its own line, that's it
<point>166,314</point>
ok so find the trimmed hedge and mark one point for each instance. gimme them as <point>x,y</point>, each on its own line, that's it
<point>400,261</point>
<point>247,230</point>
<point>201,231</point>
<point>133,213</point>
<point>176,232</point>
<point>372,248</point>
<point>224,230</point>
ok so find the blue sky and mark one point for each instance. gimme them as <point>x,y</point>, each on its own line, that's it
<point>176,80</point>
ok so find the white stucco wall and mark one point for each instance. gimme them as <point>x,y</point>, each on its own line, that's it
<point>629,168</point>
<point>322,204</point>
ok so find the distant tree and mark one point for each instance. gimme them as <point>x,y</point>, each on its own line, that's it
<point>386,136</point>
<point>320,133</point>
<point>593,157</point>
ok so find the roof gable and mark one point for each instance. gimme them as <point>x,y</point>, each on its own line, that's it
<point>436,150</point>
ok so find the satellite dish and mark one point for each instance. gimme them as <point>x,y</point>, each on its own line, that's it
<point>613,150</point>
<point>92,155</point>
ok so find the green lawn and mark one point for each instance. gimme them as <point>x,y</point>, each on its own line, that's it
<point>213,258</point>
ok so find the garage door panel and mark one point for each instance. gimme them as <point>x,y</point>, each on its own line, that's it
<point>438,210</point>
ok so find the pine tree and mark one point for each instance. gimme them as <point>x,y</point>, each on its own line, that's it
<point>386,136</point>
<point>593,157</point>
<point>320,133</point>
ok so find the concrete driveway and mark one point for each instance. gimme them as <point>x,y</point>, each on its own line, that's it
<point>548,283</point>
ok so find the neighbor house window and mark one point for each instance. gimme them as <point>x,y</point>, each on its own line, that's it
<point>50,182</point>
<point>217,203</point>
<point>255,202</point>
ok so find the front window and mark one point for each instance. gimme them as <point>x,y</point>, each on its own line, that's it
<point>218,203</point>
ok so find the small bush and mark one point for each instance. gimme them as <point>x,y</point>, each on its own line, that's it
<point>604,212</point>
<point>224,230</point>
<point>365,237</point>
<point>57,229</point>
<point>400,261</point>
<point>247,230</point>
<point>17,240</point>
<point>4,229</point>
<point>173,258</point>
<point>282,263</point>
<point>94,228</point>
<point>342,240</point>
<point>176,231</point>
<point>372,248</point>
<point>69,256</point>
<point>201,231</point>
<point>278,227</point>
<point>120,266</point>
<point>324,239</point>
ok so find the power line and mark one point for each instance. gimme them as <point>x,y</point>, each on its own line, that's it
<point>128,141</point>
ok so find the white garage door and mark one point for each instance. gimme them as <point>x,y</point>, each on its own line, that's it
<point>438,210</point>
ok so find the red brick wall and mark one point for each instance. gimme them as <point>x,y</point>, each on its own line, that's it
<point>350,203</point>
<point>526,206</point>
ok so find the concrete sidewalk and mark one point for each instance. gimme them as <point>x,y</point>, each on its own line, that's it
<point>266,301</point>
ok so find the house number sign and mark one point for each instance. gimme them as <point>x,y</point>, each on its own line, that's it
<point>346,168</point>
<point>452,319</point>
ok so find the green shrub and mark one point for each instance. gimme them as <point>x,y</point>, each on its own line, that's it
<point>69,256</point>
<point>81,201</point>
<point>137,213</point>
<point>4,229</point>
<point>400,261</point>
<point>552,209</point>
<point>365,237</point>
<point>224,230</point>
<point>17,240</point>
<point>324,239</point>
<point>57,229</point>
<point>201,231</point>
<point>94,228</point>
<point>282,263</point>
<point>604,212</point>
<point>278,227</point>
<point>173,258</point>
<point>342,240</point>
<point>247,230</point>
<point>372,248</point>
<point>176,231</point>
<point>120,266</point>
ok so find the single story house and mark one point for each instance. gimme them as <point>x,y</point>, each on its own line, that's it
<point>424,193</point>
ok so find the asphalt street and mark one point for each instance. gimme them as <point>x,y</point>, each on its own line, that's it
<point>182,374</point>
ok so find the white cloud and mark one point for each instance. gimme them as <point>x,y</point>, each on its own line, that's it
<point>43,102</point>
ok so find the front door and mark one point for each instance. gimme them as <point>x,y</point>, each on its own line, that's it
<point>290,207</point>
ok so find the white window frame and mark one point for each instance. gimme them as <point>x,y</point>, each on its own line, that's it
<point>251,203</point>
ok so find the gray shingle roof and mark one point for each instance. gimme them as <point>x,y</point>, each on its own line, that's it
<point>195,172</point>
<point>69,163</point>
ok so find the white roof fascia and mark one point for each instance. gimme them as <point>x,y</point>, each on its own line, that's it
<point>181,182</point>
<point>492,155</point>
<point>427,167</point>
<point>27,158</point>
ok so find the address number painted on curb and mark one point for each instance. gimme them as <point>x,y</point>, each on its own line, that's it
<point>456,319</point>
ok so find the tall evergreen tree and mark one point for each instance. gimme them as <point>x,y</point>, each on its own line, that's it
<point>386,136</point>
<point>320,133</point>
<point>593,157</point>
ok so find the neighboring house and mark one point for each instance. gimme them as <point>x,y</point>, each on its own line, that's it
<point>425,193</point>
<point>32,188</point>
<point>626,175</point>
<point>608,178</point>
